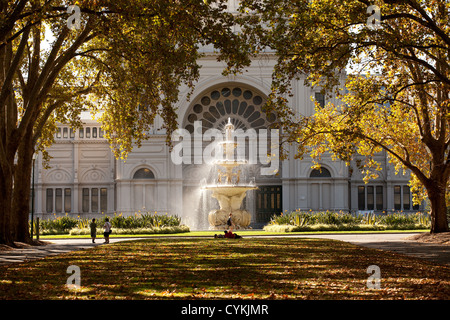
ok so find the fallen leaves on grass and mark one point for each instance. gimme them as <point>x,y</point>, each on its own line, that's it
<point>438,238</point>
<point>220,269</point>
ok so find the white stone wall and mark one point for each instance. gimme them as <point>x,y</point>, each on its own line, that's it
<point>75,163</point>
<point>153,194</point>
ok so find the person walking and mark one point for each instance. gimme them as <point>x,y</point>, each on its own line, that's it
<point>230,223</point>
<point>93,227</point>
<point>107,227</point>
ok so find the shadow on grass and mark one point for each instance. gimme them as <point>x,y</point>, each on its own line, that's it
<point>227,269</point>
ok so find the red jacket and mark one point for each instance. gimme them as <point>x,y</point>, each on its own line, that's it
<point>229,235</point>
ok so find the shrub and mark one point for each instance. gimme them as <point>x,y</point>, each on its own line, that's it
<point>328,220</point>
<point>396,219</point>
<point>142,220</point>
<point>138,223</point>
<point>303,218</point>
<point>322,227</point>
<point>57,225</point>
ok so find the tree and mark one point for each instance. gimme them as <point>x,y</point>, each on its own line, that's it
<point>395,99</point>
<point>126,59</point>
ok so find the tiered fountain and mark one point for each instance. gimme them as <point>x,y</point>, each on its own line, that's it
<point>229,190</point>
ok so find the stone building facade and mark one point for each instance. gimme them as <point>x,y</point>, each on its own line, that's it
<point>84,178</point>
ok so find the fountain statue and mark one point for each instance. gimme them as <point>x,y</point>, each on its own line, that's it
<point>229,190</point>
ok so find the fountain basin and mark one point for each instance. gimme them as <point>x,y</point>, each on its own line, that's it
<point>230,190</point>
<point>230,199</point>
<point>230,163</point>
<point>218,219</point>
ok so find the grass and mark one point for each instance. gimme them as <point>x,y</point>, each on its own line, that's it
<point>211,233</point>
<point>248,268</point>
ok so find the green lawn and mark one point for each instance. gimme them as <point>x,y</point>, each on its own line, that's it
<point>248,268</point>
<point>211,234</point>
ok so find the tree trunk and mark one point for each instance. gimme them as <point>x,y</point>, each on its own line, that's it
<point>21,194</point>
<point>5,209</point>
<point>6,191</point>
<point>438,209</point>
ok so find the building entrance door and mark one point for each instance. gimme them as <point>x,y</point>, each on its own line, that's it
<point>268,202</point>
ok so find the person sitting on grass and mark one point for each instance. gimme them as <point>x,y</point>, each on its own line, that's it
<point>219,236</point>
<point>229,234</point>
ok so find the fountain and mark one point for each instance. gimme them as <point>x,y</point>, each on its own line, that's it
<point>229,190</point>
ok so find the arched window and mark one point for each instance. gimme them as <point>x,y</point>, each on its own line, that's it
<point>320,173</point>
<point>144,173</point>
<point>244,106</point>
